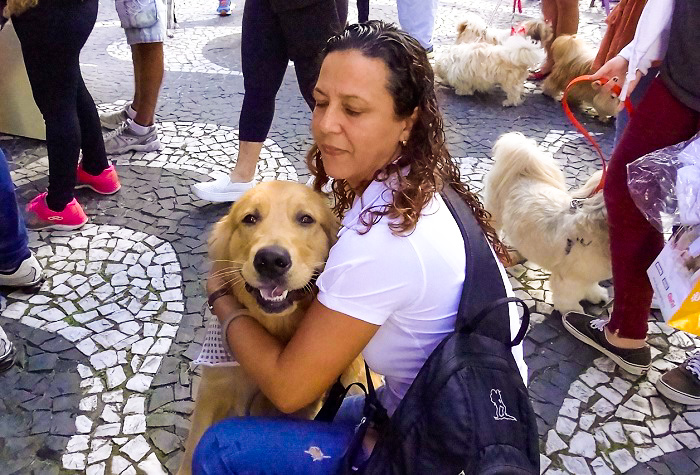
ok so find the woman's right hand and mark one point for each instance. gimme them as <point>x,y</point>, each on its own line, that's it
<point>615,71</point>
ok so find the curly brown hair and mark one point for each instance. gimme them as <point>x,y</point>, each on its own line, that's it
<point>411,85</point>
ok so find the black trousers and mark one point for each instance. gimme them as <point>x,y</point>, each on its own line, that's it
<point>269,41</point>
<point>362,11</point>
<point>52,35</point>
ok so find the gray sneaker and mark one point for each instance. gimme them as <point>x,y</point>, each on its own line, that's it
<point>124,140</point>
<point>114,120</point>
<point>7,352</point>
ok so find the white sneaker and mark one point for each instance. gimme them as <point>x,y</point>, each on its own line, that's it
<point>114,120</point>
<point>124,140</point>
<point>27,274</point>
<point>7,352</point>
<point>221,190</point>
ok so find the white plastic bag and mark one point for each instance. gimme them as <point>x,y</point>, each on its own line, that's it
<point>665,185</point>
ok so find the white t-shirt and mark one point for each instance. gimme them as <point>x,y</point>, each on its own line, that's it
<point>409,285</point>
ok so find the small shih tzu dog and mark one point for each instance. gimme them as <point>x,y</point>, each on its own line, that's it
<point>564,232</point>
<point>474,30</point>
<point>472,67</point>
<point>572,58</point>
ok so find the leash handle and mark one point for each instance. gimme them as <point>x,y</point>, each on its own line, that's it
<point>616,89</point>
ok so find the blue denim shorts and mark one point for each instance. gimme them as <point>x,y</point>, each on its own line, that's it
<point>144,21</point>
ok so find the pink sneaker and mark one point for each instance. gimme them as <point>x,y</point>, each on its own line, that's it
<point>106,183</point>
<point>42,217</point>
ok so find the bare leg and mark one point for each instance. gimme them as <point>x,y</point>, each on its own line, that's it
<point>567,17</point>
<point>148,76</point>
<point>248,154</point>
<point>550,12</point>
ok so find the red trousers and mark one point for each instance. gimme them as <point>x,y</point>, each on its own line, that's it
<point>660,120</point>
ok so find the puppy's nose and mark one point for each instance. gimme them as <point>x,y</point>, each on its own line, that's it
<point>272,261</point>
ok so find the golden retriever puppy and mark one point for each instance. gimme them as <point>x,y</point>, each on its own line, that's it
<point>473,29</point>
<point>273,244</point>
<point>573,58</point>
<point>564,232</point>
<point>473,67</point>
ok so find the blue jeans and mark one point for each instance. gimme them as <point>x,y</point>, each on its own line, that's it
<point>263,445</point>
<point>13,232</point>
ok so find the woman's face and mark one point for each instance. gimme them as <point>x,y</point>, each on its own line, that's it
<point>354,124</point>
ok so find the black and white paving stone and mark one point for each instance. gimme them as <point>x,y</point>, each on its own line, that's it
<point>103,382</point>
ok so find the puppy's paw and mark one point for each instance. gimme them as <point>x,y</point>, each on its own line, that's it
<point>597,294</point>
<point>512,102</point>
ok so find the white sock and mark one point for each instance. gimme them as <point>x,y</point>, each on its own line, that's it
<point>138,129</point>
<point>131,112</point>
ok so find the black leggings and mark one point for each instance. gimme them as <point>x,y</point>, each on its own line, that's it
<point>269,40</point>
<point>52,35</point>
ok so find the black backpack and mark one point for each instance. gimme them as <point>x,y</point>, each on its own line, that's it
<point>467,411</point>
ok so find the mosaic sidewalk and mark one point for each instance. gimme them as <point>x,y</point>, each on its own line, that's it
<point>104,385</point>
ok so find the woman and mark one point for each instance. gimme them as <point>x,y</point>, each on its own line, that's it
<point>668,113</point>
<point>393,280</point>
<point>51,34</point>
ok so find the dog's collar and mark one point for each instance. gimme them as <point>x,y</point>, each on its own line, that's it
<point>576,203</point>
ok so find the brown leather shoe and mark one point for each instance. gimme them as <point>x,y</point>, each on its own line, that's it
<point>682,384</point>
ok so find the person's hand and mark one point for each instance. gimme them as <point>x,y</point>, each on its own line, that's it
<point>615,71</point>
<point>224,305</point>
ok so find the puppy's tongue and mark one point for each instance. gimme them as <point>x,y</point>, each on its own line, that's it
<point>272,293</point>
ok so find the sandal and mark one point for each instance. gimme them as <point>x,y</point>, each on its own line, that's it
<point>538,75</point>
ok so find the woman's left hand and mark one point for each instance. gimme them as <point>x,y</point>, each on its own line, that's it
<point>226,304</point>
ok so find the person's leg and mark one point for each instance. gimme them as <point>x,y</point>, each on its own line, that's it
<point>18,266</point>
<point>92,143</point>
<point>659,121</point>
<point>362,10</point>
<point>304,45</point>
<point>13,233</point>
<point>149,69</point>
<point>264,62</point>
<point>244,445</point>
<point>567,17</point>
<point>417,18</point>
<point>140,132</point>
<point>53,67</point>
<point>550,13</point>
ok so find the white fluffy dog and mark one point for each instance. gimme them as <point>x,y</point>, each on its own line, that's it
<point>474,29</point>
<point>562,231</point>
<point>480,67</point>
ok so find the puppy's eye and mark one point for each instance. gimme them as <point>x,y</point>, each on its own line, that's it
<point>306,219</point>
<point>250,219</point>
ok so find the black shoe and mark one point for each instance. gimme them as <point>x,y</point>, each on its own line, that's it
<point>590,331</point>
<point>7,352</point>
<point>682,384</point>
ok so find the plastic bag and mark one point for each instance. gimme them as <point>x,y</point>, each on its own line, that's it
<point>665,185</point>
<point>675,277</point>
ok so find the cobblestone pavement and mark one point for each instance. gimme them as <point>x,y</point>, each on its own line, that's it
<point>103,382</point>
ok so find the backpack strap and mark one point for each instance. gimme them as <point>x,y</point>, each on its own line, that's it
<point>483,283</point>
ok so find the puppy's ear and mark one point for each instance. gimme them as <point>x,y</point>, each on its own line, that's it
<point>220,237</point>
<point>330,226</point>
<point>461,27</point>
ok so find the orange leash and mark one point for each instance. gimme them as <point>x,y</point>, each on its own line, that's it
<point>616,89</point>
